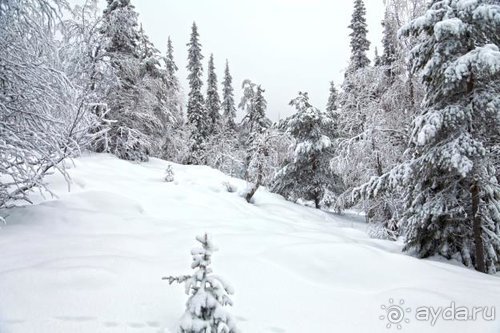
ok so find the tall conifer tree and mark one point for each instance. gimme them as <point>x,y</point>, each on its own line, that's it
<point>389,42</point>
<point>196,109</point>
<point>171,67</point>
<point>213,100</point>
<point>228,105</point>
<point>132,129</point>
<point>359,42</point>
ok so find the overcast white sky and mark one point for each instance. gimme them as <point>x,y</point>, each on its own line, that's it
<point>285,45</point>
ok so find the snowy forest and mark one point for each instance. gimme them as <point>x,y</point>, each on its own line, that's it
<point>410,140</point>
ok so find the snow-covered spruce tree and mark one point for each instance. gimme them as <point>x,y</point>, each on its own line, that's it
<point>223,150</point>
<point>359,42</point>
<point>255,121</point>
<point>228,104</point>
<point>134,122</point>
<point>172,82</point>
<point>155,94</point>
<point>389,41</point>
<point>42,113</point>
<point>356,73</point>
<point>213,100</point>
<point>209,294</point>
<point>171,67</point>
<point>452,197</point>
<point>308,175</point>
<point>255,105</point>
<point>175,142</point>
<point>332,104</point>
<point>196,109</point>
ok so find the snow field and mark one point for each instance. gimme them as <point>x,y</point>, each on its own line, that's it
<point>92,259</point>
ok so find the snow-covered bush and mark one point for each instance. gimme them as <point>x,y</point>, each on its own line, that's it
<point>380,231</point>
<point>224,153</point>
<point>43,118</point>
<point>205,311</point>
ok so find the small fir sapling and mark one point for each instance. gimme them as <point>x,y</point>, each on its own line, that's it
<point>205,311</point>
<point>169,174</point>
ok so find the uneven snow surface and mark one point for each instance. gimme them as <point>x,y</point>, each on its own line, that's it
<point>92,260</point>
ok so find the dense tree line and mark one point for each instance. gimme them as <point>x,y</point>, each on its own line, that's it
<point>413,144</point>
<point>421,145</point>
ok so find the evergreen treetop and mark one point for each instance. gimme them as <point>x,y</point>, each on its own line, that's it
<point>359,42</point>
<point>332,104</point>
<point>120,27</point>
<point>171,67</point>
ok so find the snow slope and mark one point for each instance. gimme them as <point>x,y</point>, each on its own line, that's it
<point>92,260</point>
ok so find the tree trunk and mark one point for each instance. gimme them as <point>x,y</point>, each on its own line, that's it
<point>316,201</point>
<point>254,189</point>
<point>477,229</point>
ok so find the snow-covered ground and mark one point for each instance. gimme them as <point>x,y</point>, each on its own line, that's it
<point>92,259</point>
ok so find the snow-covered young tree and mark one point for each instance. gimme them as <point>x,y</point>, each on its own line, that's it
<point>254,104</point>
<point>209,294</point>
<point>169,174</point>
<point>255,121</point>
<point>452,196</point>
<point>308,175</point>
<point>196,108</point>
